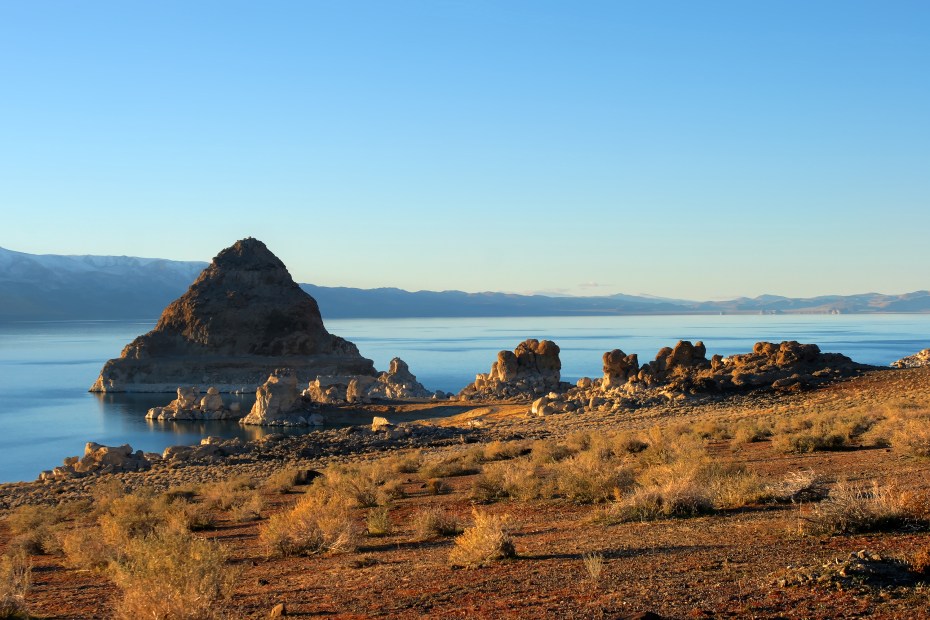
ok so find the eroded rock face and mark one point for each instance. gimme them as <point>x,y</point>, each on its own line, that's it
<point>619,367</point>
<point>189,405</point>
<point>533,368</point>
<point>921,358</point>
<point>243,317</point>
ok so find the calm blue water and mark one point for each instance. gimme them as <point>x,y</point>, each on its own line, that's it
<point>46,368</point>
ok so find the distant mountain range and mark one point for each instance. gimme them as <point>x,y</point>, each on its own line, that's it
<point>53,287</point>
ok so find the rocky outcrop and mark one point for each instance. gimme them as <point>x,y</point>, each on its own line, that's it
<point>99,459</point>
<point>532,369</point>
<point>684,371</point>
<point>189,405</point>
<point>921,358</point>
<point>243,317</point>
<point>398,383</point>
<point>279,403</point>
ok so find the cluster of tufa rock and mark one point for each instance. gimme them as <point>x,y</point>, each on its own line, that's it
<point>398,383</point>
<point>684,370</point>
<point>100,459</point>
<point>530,370</point>
<point>919,359</point>
<point>278,402</point>
<point>189,405</point>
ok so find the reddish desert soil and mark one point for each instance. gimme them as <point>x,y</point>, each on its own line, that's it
<point>724,565</point>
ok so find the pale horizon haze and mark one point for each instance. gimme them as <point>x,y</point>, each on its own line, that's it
<point>697,150</point>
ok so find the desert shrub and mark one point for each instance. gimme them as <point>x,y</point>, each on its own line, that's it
<point>626,442</point>
<point>671,446</point>
<point>487,540</point>
<point>750,431</point>
<point>408,463</point>
<point>379,521</point>
<point>821,431</point>
<point>544,452</point>
<point>920,562</point>
<point>248,509</point>
<point>854,509</point>
<point>513,479</point>
<point>35,528</point>
<point>85,549</point>
<point>675,478</point>
<point>128,517</point>
<point>320,522</point>
<point>15,581</point>
<point>392,489</point>
<point>457,465</point>
<point>594,565</point>
<point>799,486</point>
<point>434,522</point>
<point>361,483</point>
<point>734,487</point>
<point>711,429</point>
<point>183,493</point>
<point>436,486</point>
<point>172,575</point>
<point>672,498</point>
<point>588,477</point>
<point>225,494</point>
<point>105,493</point>
<point>282,480</point>
<point>500,451</point>
<point>188,516</point>
<point>912,437</point>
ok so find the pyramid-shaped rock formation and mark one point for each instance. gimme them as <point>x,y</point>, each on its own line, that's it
<point>242,318</point>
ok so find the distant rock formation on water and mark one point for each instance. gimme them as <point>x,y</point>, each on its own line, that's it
<point>242,318</point>
<point>683,371</point>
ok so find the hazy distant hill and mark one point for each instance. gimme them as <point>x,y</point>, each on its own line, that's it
<point>52,287</point>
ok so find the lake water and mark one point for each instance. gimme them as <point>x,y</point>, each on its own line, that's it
<point>47,414</point>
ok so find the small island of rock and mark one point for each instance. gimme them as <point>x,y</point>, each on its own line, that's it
<point>243,317</point>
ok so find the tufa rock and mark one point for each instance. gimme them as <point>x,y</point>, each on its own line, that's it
<point>532,369</point>
<point>99,459</point>
<point>278,403</point>
<point>190,406</point>
<point>921,358</point>
<point>398,383</point>
<point>243,317</point>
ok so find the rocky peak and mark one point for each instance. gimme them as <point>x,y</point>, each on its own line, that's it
<point>244,304</point>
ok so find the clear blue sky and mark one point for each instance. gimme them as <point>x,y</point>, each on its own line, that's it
<point>685,149</point>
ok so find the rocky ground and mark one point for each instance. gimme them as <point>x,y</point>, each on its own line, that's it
<point>754,561</point>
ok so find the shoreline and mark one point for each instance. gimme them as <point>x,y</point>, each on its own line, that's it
<point>473,422</point>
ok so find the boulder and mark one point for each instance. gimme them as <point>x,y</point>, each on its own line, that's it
<point>921,358</point>
<point>242,318</point>
<point>618,368</point>
<point>379,423</point>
